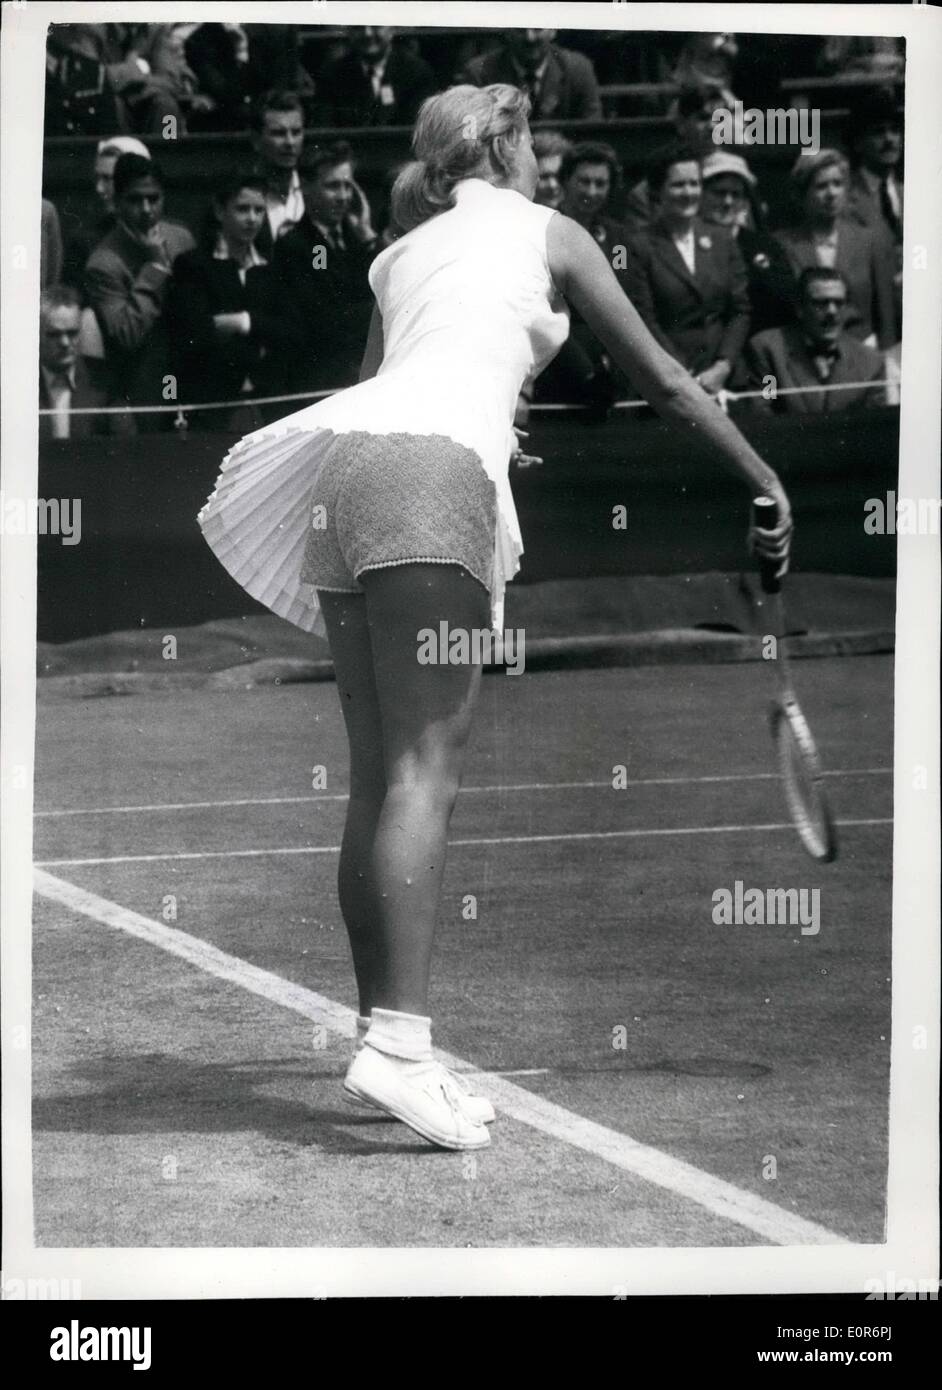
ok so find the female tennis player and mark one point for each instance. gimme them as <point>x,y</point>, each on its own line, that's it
<point>386,509</point>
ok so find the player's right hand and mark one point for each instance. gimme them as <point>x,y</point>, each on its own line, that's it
<point>774,545</point>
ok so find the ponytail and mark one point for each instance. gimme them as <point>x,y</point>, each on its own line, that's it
<point>459,134</point>
<point>421,190</point>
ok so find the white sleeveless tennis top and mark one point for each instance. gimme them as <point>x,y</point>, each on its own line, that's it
<point>469,311</point>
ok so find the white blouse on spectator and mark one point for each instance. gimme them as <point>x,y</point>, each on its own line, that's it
<point>685,245</point>
<point>285,212</point>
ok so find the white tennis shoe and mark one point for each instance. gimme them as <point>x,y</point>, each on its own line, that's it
<point>429,1101</point>
<point>477,1106</point>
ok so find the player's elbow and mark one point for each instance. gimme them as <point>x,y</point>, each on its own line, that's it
<point>671,386</point>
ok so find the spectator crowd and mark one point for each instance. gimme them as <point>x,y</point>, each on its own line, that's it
<point>269,295</point>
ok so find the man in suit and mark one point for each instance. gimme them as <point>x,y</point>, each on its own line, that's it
<point>561,84</point>
<point>66,381</point>
<point>277,135</point>
<point>126,278</point>
<point>322,266</point>
<point>374,83</point>
<point>875,139</point>
<point>687,278</point>
<point>815,351</point>
<point>875,194</point>
<point>82,237</point>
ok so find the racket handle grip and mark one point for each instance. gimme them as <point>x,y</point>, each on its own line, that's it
<point>765,518</point>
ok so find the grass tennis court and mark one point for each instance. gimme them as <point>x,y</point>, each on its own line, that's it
<point>646,1063</point>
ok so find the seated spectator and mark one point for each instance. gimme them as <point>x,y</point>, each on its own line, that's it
<point>692,118</point>
<point>66,381</point>
<point>126,279</point>
<point>706,60</point>
<point>875,140</point>
<point>218,56</point>
<point>50,245</point>
<point>825,236</point>
<point>730,200</point>
<point>81,239</point>
<point>687,278</point>
<point>235,64</point>
<point>876,57</point>
<point>374,83</point>
<point>550,149</point>
<point>142,100</point>
<point>560,83</point>
<point>815,351</point>
<point>590,175</point>
<point>582,373</point>
<point>165,55</point>
<point>278,139</point>
<point>322,265</point>
<point>226,322</point>
<point>875,195</point>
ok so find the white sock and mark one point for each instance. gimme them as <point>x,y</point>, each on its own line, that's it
<point>406,1037</point>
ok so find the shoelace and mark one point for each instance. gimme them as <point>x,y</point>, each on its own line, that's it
<point>453,1092</point>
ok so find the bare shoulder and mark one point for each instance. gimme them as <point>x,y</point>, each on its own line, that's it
<point>569,248</point>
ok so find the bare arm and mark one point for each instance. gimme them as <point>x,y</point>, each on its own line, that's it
<point>588,282</point>
<point>373,352</point>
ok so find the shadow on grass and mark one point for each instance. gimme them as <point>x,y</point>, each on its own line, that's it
<point>152,1093</point>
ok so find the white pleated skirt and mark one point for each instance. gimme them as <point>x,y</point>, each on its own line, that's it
<point>258,518</point>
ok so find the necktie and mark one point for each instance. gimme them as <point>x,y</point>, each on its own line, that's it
<point>60,398</point>
<point>824,361</point>
<point>888,206</point>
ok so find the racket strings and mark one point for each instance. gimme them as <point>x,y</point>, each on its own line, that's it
<point>801,778</point>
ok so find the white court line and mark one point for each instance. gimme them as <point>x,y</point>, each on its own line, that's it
<point>516,787</point>
<point>723,1199</point>
<point>452,844</point>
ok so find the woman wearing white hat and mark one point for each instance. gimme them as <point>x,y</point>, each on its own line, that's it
<point>730,199</point>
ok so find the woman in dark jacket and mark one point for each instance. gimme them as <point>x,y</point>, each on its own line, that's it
<point>730,199</point>
<point>687,278</point>
<point>228,322</point>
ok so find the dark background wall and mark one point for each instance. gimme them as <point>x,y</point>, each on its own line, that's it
<point>142,561</point>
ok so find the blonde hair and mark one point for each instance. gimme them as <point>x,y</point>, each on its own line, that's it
<point>459,134</point>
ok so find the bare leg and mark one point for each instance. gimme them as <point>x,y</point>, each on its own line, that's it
<point>426,718</point>
<point>348,634</point>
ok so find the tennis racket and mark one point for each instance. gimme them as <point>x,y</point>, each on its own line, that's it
<point>799,764</point>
